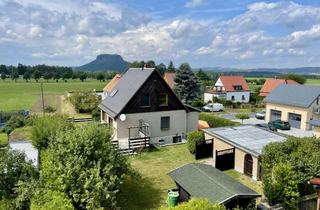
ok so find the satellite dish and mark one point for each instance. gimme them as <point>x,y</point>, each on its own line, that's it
<point>123,117</point>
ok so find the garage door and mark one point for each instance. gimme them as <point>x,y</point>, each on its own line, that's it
<point>295,120</point>
<point>275,115</point>
<point>225,159</point>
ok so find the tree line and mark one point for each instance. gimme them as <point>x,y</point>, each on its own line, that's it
<point>50,72</point>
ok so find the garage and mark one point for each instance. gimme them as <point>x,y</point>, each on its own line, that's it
<point>225,159</point>
<point>295,120</point>
<point>275,115</point>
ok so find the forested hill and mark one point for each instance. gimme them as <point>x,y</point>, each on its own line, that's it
<point>105,62</point>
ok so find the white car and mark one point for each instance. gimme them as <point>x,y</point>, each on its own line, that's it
<point>213,107</point>
<point>261,115</point>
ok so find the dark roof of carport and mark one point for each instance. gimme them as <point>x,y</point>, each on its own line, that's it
<point>205,181</point>
<point>315,122</point>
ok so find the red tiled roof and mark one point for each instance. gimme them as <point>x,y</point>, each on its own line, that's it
<point>271,84</point>
<point>315,181</point>
<point>169,78</point>
<point>230,81</point>
<point>112,83</point>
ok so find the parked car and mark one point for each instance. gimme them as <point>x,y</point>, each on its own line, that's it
<point>279,124</point>
<point>213,107</point>
<point>266,126</point>
<point>260,115</point>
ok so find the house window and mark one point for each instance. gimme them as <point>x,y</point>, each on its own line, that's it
<point>165,123</point>
<point>243,98</point>
<point>145,100</point>
<point>237,87</point>
<point>110,121</point>
<point>163,99</point>
<point>232,98</point>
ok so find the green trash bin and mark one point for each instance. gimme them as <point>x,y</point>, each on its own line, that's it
<point>173,199</point>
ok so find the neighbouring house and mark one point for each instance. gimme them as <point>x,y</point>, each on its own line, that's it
<point>196,180</point>
<point>232,88</point>
<point>108,88</point>
<point>142,106</point>
<point>271,84</point>
<point>27,148</point>
<point>240,148</point>
<point>169,78</point>
<point>316,127</point>
<point>296,104</point>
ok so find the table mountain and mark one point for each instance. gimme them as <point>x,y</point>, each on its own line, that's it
<point>105,62</point>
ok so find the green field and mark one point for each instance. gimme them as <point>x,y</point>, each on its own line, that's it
<point>309,81</point>
<point>22,95</point>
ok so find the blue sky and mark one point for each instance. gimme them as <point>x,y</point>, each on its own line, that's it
<point>228,33</point>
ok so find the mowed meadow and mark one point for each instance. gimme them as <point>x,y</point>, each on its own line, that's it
<point>23,95</point>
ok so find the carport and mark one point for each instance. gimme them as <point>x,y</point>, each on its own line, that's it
<point>196,180</point>
<point>275,115</point>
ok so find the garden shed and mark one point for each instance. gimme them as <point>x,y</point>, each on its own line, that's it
<point>196,180</point>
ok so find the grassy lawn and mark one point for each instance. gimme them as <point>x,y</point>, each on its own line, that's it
<point>147,188</point>
<point>3,140</point>
<point>313,82</point>
<point>21,95</point>
<point>23,133</point>
<point>254,185</point>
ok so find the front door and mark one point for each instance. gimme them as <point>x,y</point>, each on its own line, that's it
<point>248,165</point>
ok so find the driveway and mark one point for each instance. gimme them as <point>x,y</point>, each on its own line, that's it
<point>251,121</point>
<point>232,116</point>
<point>297,132</point>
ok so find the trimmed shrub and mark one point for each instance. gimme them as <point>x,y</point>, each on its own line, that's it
<point>3,139</point>
<point>242,116</point>
<point>197,204</point>
<point>197,103</point>
<point>215,121</point>
<point>193,138</point>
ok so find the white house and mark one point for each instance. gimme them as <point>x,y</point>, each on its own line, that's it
<point>232,88</point>
<point>143,106</point>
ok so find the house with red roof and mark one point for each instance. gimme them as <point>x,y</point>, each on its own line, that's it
<point>232,88</point>
<point>108,88</point>
<point>271,84</point>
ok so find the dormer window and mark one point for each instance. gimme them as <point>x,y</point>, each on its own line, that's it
<point>145,100</point>
<point>237,87</point>
<point>163,99</point>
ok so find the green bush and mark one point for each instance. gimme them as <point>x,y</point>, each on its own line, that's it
<point>193,138</point>
<point>96,114</point>
<point>197,103</point>
<point>287,168</point>
<point>242,116</point>
<point>215,121</point>
<point>49,109</point>
<point>197,204</point>
<point>3,139</point>
<point>50,200</point>
<point>84,101</point>
<point>15,121</point>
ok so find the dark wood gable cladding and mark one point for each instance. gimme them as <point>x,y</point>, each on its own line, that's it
<point>154,87</point>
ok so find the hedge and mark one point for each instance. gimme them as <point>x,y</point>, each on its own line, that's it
<point>3,139</point>
<point>193,138</point>
<point>215,121</point>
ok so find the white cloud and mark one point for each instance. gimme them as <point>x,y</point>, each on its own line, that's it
<point>45,32</point>
<point>194,3</point>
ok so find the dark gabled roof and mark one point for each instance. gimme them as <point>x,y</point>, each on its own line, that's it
<point>124,90</point>
<point>294,95</point>
<point>205,181</point>
<point>315,122</point>
<point>127,86</point>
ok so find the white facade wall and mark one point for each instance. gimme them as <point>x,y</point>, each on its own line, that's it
<point>192,121</point>
<point>238,96</point>
<point>207,97</point>
<point>178,125</point>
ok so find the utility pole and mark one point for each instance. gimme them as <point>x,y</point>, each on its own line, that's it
<point>42,98</point>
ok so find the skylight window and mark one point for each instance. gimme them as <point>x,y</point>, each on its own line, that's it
<point>114,92</point>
